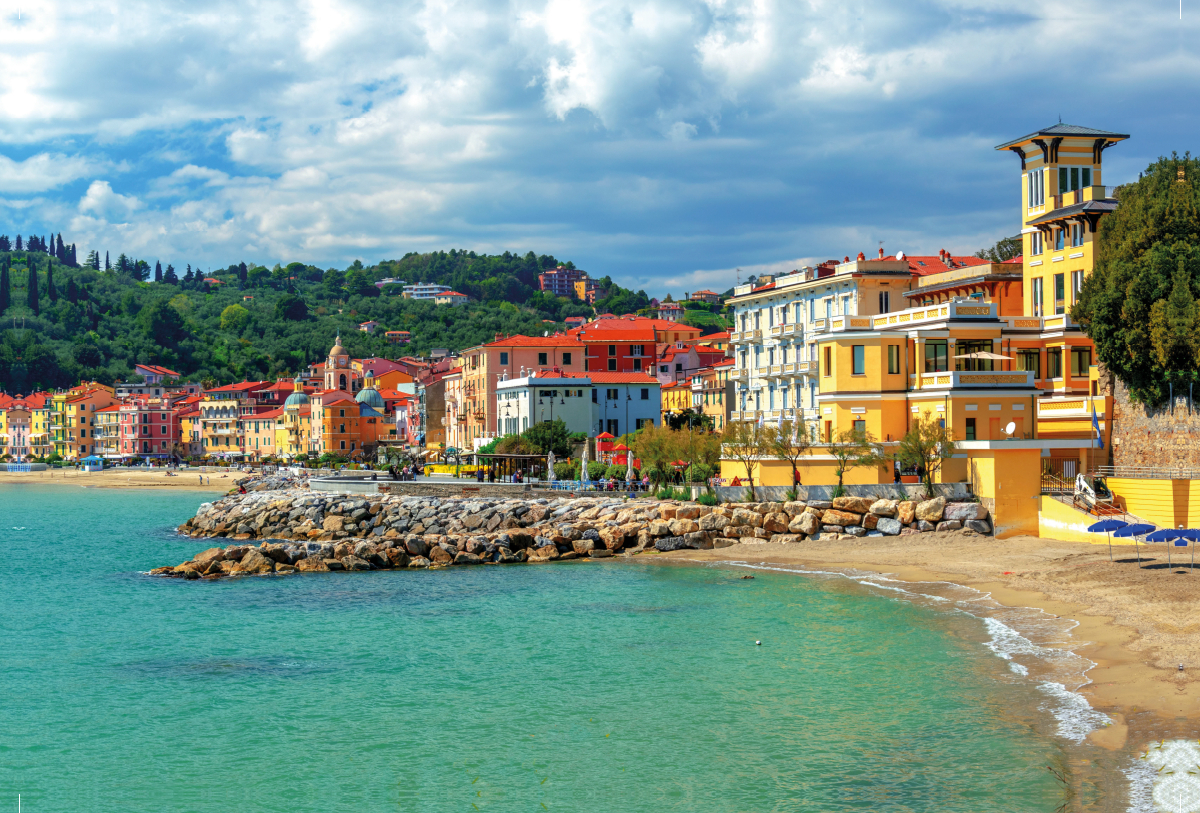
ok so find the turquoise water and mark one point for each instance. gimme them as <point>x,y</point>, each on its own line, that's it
<point>587,687</point>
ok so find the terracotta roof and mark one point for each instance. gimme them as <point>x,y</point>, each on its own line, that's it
<point>601,377</point>
<point>451,293</point>
<point>714,337</point>
<point>935,264</point>
<point>111,408</point>
<point>245,386</point>
<point>156,370</point>
<point>714,293</point>
<point>270,413</point>
<point>536,341</point>
<point>341,399</point>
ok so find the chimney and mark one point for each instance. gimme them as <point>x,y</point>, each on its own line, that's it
<point>861,257</point>
<point>846,259</point>
<point>498,337</point>
<point>881,252</point>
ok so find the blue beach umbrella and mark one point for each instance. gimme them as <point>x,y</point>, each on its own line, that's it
<point>1191,535</point>
<point>1164,535</point>
<point>1106,527</point>
<point>1134,531</point>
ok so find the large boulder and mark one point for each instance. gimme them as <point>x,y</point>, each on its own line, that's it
<point>931,510</point>
<point>440,556</point>
<point>855,530</point>
<point>836,516</point>
<point>742,516</point>
<point>418,561</point>
<point>859,505</point>
<point>545,553</point>
<point>681,527</point>
<point>794,508</point>
<point>906,511</point>
<point>949,525</point>
<point>888,526</point>
<point>807,523</point>
<point>884,508</point>
<point>398,557</point>
<point>583,546</point>
<point>925,525</point>
<point>669,543</point>
<point>785,539</point>
<point>354,563</point>
<point>963,511</point>
<point>210,555</point>
<point>713,522</point>
<point>312,564</point>
<point>980,526</point>
<point>465,558</point>
<point>332,523</point>
<point>776,523</point>
<point>415,546</point>
<point>254,562</point>
<point>869,521</point>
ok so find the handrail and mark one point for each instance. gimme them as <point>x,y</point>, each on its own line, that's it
<point>1147,473</point>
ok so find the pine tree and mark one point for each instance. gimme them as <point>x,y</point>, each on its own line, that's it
<point>32,286</point>
<point>5,243</point>
<point>158,271</point>
<point>169,276</point>
<point>107,264</point>
<point>188,276</point>
<point>50,290</point>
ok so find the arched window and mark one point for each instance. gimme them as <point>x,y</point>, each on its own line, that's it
<point>343,382</point>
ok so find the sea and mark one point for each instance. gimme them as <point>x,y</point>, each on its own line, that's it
<point>614,685</point>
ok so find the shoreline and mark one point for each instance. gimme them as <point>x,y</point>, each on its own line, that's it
<point>155,479</point>
<point>1129,680</point>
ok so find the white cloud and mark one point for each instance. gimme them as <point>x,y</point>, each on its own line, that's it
<point>42,172</point>
<point>642,138</point>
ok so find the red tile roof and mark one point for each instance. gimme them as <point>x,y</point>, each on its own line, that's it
<point>156,370</point>
<point>936,264</point>
<point>600,377</point>
<point>557,340</point>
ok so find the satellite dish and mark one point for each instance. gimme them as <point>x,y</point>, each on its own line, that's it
<point>899,255</point>
<point>1012,427</point>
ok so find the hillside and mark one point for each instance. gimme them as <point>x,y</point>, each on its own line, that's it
<point>254,322</point>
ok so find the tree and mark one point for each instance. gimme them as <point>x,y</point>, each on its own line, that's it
<point>162,324</point>
<point>658,447</point>
<point>1148,252</point>
<point>549,436</point>
<point>5,287</point>
<point>19,243</point>
<point>51,291</point>
<point>1005,249</point>
<point>93,260</point>
<point>158,272</point>
<point>701,448</point>
<point>291,308</point>
<point>924,447</point>
<point>747,443</point>
<point>169,276</point>
<point>689,418</point>
<point>72,290</point>
<point>5,243</point>
<point>107,264</point>
<point>791,443</point>
<point>32,288</point>
<point>851,449</point>
<point>235,318</point>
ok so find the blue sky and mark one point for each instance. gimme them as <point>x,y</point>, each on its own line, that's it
<point>663,142</point>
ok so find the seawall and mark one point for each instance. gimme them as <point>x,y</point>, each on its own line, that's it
<point>300,530</point>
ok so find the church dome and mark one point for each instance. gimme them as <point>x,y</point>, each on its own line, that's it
<point>338,350</point>
<point>371,397</point>
<point>298,398</point>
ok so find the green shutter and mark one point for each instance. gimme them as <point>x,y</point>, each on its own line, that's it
<point>1062,180</point>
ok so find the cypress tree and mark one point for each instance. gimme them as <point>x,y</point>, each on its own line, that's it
<point>32,289</point>
<point>74,261</point>
<point>50,289</point>
<point>62,249</point>
<point>5,289</point>
<point>72,291</point>
<point>158,277</point>
<point>19,243</point>
<point>107,264</point>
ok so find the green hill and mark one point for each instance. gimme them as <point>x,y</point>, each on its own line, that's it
<point>255,322</point>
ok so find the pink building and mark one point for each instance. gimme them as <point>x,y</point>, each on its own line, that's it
<point>149,428</point>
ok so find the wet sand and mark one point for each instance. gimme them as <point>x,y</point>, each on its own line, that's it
<point>1136,623</point>
<point>221,481</point>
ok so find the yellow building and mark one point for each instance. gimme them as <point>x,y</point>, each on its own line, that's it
<point>1015,386</point>
<point>676,397</point>
<point>293,429</point>
<point>712,392</point>
<point>73,419</point>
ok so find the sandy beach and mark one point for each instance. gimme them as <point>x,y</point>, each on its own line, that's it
<point>221,481</point>
<point>1135,623</point>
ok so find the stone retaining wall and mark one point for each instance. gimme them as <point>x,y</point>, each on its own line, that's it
<point>302,531</point>
<point>1167,437</point>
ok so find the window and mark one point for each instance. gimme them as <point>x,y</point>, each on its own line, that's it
<point>612,349</point>
<point>1054,367</point>
<point>845,306</point>
<point>610,394</point>
<point>828,308</point>
<point>637,349</point>
<point>936,356</point>
<point>884,301</point>
<point>1035,243</point>
<point>637,365</point>
<point>828,362</point>
<point>858,426</point>
<point>595,396</point>
<point>1039,298</point>
<point>1077,234</point>
<point>893,359</point>
<point>612,365</point>
<point>1030,360</point>
<point>503,358</point>
<point>1076,286</point>
<point>341,429</point>
<point>645,393</point>
<point>1060,239</point>
<point>757,320</point>
<point>858,355</point>
<point>812,310</point>
<point>770,358</point>
<point>542,362</point>
<point>1036,190</point>
<point>970,429</point>
<point>566,359</point>
<point>1081,360</point>
<point>341,413</point>
<point>343,444</point>
<point>640,422</point>
<point>1059,293</point>
<point>966,348</point>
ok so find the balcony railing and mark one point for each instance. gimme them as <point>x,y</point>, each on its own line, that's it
<point>964,379</point>
<point>777,330</point>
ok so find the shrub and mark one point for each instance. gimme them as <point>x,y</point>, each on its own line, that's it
<point>699,473</point>
<point>707,499</point>
<point>567,470</point>
<point>596,470</point>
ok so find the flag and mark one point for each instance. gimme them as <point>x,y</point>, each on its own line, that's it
<point>1096,426</point>
<point>760,420</point>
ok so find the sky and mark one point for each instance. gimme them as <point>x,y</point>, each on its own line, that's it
<point>671,144</point>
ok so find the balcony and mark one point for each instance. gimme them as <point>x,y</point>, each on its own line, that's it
<point>777,330</point>
<point>1074,408</point>
<point>790,330</point>
<point>965,379</point>
<point>775,370</point>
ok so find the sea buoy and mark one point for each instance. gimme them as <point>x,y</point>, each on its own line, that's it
<point>759,643</point>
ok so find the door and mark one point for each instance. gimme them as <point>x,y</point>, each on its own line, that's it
<point>994,432</point>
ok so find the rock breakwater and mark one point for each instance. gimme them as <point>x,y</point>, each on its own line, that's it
<point>300,531</point>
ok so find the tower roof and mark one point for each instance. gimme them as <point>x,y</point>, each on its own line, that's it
<point>338,350</point>
<point>1065,131</point>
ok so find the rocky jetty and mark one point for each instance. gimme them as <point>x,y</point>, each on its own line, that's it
<point>301,531</point>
